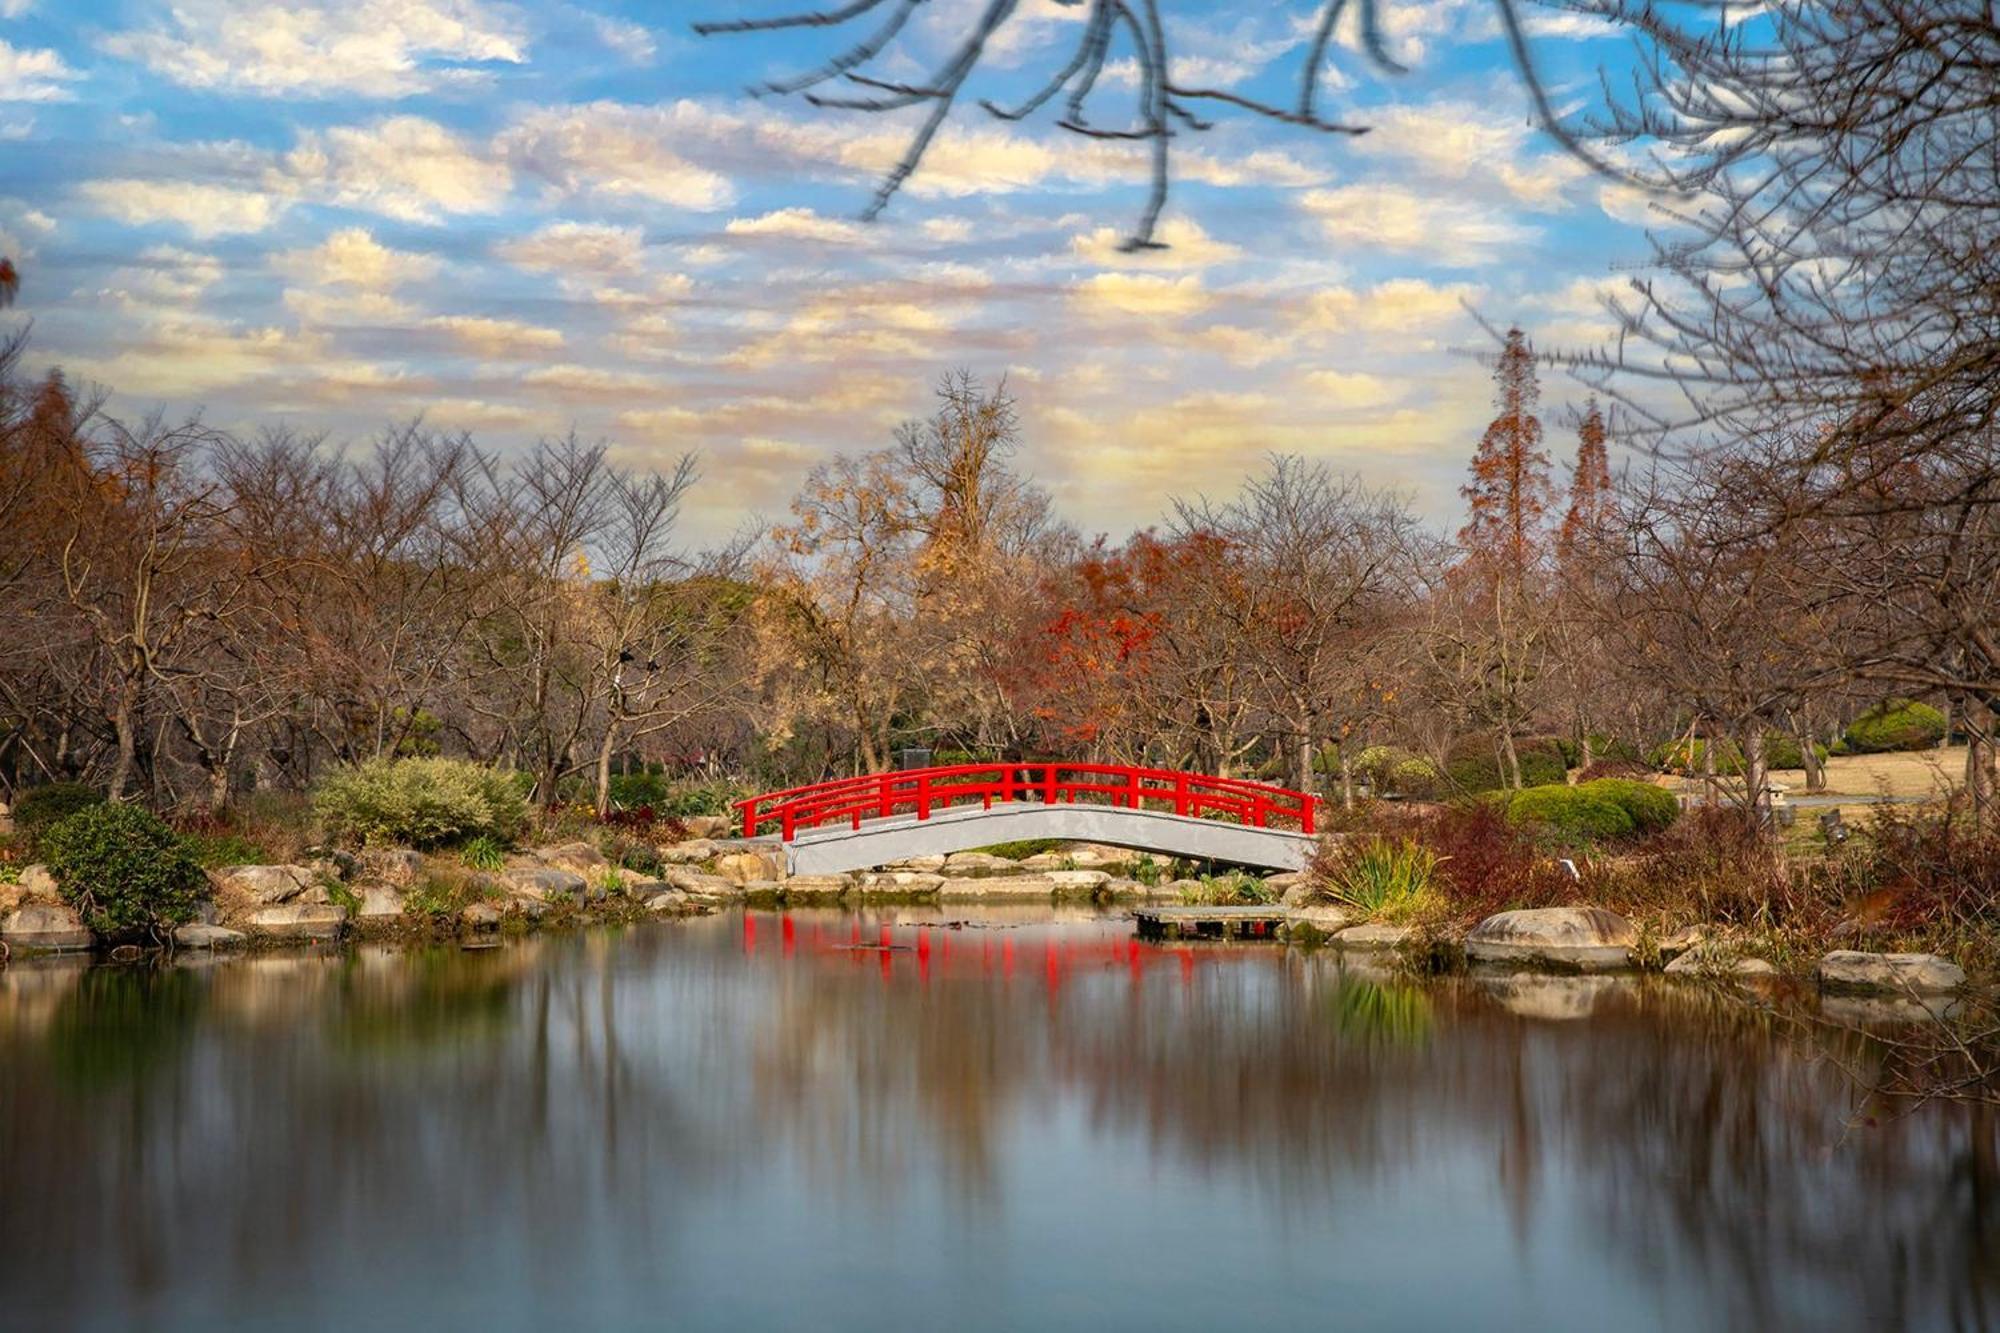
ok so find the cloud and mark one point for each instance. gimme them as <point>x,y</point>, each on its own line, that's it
<point>1468,144</point>
<point>576,248</point>
<point>1449,232</point>
<point>402,167</point>
<point>33,75</point>
<point>1400,305</point>
<point>299,48</point>
<point>497,339</point>
<point>1345,389</point>
<point>351,257</point>
<point>204,210</point>
<point>629,40</point>
<point>1188,247</point>
<point>798,224</point>
<point>616,151</point>
<point>1141,294</point>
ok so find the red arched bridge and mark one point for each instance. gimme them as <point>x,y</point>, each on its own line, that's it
<point>880,818</point>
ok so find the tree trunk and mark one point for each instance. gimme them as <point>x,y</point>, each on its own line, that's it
<point>1757,788</point>
<point>1510,759</point>
<point>604,750</point>
<point>124,722</point>
<point>1346,778</point>
<point>1809,760</point>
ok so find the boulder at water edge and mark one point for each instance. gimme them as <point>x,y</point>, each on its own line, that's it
<point>1370,939</point>
<point>1713,960</point>
<point>747,867</point>
<point>1894,973</point>
<point>1587,939</point>
<point>195,935</point>
<point>264,884</point>
<point>298,921</point>
<point>44,926</point>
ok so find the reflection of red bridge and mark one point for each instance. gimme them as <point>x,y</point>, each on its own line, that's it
<point>878,818</point>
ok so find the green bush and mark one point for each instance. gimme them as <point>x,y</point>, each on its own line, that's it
<point>422,803</point>
<point>1571,815</point>
<point>1388,879</point>
<point>123,869</point>
<point>696,798</point>
<point>40,807</point>
<point>1471,766</point>
<point>1229,890</point>
<point>1022,849</point>
<point>1896,724</point>
<point>631,791</point>
<point>1651,808</point>
<point>212,850</point>
<point>1782,751</point>
<point>1393,771</point>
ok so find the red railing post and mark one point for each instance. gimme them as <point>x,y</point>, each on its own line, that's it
<point>750,818</point>
<point>1306,813</point>
<point>923,796</point>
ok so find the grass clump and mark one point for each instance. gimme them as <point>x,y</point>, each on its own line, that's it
<point>123,870</point>
<point>1022,849</point>
<point>1385,879</point>
<point>1228,890</point>
<point>482,853</point>
<point>422,803</point>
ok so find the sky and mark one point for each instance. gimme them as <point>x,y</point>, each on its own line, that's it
<point>523,219</point>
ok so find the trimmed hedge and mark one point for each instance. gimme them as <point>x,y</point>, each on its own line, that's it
<point>1472,766</point>
<point>1392,770</point>
<point>1896,724</point>
<point>1782,751</point>
<point>1571,814</point>
<point>123,869</point>
<point>1652,808</point>
<point>422,803</point>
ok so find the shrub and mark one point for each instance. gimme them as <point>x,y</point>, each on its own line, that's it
<point>1391,879</point>
<point>698,798</point>
<point>1472,766</point>
<point>1896,724</point>
<point>483,853</point>
<point>123,869</point>
<point>40,807</point>
<point>211,850</point>
<point>422,803</point>
<point>1783,751</point>
<point>1231,890</point>
<point>1614,768</point>
<point>1571,815</point>
<point>1391,770</point>
<point>1651,808</point>
<point>1024,848</point>
<point>1689,757</point>
<point>632,790</point>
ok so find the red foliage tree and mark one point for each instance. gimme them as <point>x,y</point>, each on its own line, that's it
<point>1590,499</point>
<point>1509,494</point>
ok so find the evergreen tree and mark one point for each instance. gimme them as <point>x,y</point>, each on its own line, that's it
<point>1590,499</point>
<point>1509,494</point>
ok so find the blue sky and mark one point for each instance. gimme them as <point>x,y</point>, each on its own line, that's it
<point>523,218</point>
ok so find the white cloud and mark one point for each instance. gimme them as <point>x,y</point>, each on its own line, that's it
<point>204,210</point>
<point>1452,233</point>
<point>798,224</point>
<point>366,48</point>
<point>33,75</point>
<point>1400,305</point>
<point>1187,247</point>
<point>1468,144</point>
<point>497,339</point>
<point>629,40</point>
<point>576,248</point>
<point>13,9</point>
<point>402,167</point>
<point>352,257</point>
<point>1141,294</point>
<point>612,150</point>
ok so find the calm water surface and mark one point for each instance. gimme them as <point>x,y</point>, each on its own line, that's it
<point>1026,1123</point>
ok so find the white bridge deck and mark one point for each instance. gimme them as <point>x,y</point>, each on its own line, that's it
<point>834,848</point>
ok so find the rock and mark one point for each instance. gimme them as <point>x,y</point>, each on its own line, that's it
<point>206,913</point>
<point>710,826</point>
<point>743,867</point>
<point>1894,973</point>
<point>38,885</point>
<point>1682,940</point>
<point>1077,883</point>
<point>1586,938</point>
<point>998,887</point>
<point>45,926</point>
<point>979,863</point>
<point>922,865</point>
<point>195,935</point>
<point>1047,861</point>
<point>901,881</point>
<point>480,916</point>
<point>700,885</point>
<point>1114,887</point>
<point>1284,882</point>
<point>264,884</point>
<point>667,900</point>
<point>541,883</point>
<point>1716,960</point>
<point>298,921</point>
<point>1323,917</point>
<point>578,856</point>
<point>1372,938</point>
<point>1298,895</point>
<point>810,886</point>
<point>688,853</point>
<point>379,902</point>
<point>398,865</point>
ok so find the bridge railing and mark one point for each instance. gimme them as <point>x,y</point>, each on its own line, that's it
<point>923,790</point>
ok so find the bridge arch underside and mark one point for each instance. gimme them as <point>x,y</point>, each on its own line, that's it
<point>833,849</point>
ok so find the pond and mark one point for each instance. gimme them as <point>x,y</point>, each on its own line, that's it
<point>1009,1120</point>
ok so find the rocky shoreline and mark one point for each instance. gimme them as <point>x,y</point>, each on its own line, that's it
<point>395,893</point>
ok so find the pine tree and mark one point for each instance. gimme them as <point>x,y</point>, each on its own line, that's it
<point>1508,497</point>
<point>1590,499</point>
